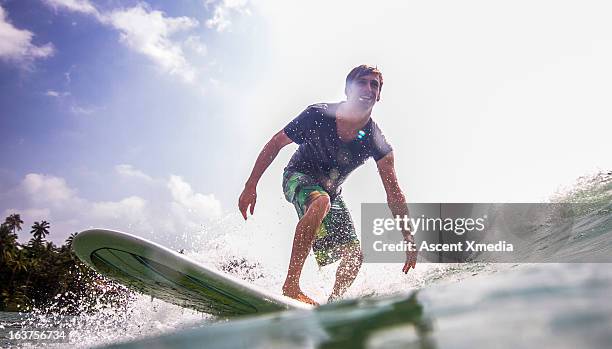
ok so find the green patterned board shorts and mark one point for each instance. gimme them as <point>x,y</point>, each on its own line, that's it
<point>337,228</point>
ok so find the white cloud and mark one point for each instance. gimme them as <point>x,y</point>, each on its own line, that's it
<point>56,94</point>
<point>47,189</point>
<point>223,12</point>
<point>148,32</point>
<point>68,74</point>
<point>127,209</point>
<point>171,206</point>
<point>195,203</point>
<point>75,109</point>
<point>16,44</point>
<point>81,6</point>
<point>129,171</point>
<point>195,44</point>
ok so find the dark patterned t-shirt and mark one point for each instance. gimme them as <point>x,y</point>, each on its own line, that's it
<point>322,154</point>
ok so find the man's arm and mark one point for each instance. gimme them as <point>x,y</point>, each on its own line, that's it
<point>396,201</point>
<point>265,158</point>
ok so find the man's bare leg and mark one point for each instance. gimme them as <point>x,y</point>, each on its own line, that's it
<point>302,242</point>
<point>352,257</point>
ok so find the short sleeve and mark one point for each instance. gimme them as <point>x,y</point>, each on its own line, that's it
<point>298,128</point>
<point>380,146</point>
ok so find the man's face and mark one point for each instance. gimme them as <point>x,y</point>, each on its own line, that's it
<point>364,91</point>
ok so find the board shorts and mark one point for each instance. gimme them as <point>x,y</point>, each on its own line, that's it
<point>336,230</point>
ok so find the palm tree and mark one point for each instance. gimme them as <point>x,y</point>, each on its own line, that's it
<point>20,263</point>
<point>40,230</point>
<point>14,222</point>
<point>70,239</point>
<point>50,246</point>
<point>8,244</point>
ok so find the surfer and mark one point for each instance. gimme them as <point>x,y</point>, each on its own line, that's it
<point>334,139</point>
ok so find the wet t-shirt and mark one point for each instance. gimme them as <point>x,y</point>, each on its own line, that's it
<point>323,155</point>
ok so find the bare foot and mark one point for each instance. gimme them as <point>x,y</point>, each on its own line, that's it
<point>300,296</point>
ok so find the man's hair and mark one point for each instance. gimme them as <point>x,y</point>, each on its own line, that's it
<point>360,71</point>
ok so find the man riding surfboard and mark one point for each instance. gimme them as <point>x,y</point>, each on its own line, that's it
<point>334,139</point>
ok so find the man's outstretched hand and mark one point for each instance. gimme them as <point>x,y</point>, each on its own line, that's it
<point>411,257</point>
<point>247,198</point>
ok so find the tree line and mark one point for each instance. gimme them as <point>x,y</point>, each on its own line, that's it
<point>40,275</point>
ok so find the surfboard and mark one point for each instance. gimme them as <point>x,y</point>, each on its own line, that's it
<point>155,270</point>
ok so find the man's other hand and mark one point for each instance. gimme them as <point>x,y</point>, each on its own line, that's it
<point>247,198</point>
<point>411,257</point>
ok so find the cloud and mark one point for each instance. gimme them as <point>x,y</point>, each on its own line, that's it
<point>125,209</point>
<point>81,6</point>
<point>75,109</point>
<point>16,44</point>
<point>47,189</point>
<point>170,206</point>
<point>188,201</point>
<point>223,12</point>
<point>56,94</point>
<point>148,32</point>
<point>128,171</point>
<point>195,44</point>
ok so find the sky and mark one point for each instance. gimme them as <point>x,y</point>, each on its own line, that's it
<point>147,117</point>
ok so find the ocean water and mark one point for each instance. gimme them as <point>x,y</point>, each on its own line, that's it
<point>471,305</point>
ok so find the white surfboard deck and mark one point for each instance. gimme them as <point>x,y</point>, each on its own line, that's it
<point>157,271</point>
